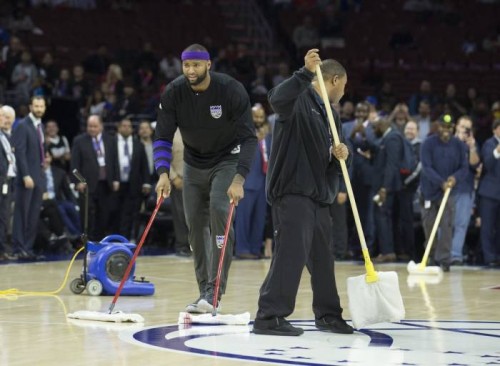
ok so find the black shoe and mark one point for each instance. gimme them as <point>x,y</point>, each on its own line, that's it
<point>183,253</point>
<point>334,325</point>
<point>445,266</point>
<point>276,326</point>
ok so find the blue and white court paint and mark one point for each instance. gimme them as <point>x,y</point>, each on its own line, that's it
<point>411,342</point>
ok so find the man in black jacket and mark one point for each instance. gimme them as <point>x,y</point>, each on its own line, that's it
<point>302,183</point>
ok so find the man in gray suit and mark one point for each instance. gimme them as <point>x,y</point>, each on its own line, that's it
<point>28,142</point>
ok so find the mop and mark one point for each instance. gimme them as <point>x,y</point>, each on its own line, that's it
<point>374,297</point>
<point>119,316</point>
<point>214,318</point>
<point>421,268</point>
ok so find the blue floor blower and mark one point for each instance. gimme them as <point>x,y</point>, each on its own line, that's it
<point>105,264</point>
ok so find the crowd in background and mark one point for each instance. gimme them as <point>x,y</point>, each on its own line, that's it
<point>121,99</point>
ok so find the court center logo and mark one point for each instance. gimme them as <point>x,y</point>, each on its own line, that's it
<point>411,342</point>
<point>216,111</point>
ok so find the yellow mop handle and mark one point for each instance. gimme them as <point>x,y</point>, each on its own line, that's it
<point>435,228</point>
<point>371,275</point>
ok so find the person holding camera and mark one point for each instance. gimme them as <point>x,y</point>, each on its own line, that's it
<point>464,190</point>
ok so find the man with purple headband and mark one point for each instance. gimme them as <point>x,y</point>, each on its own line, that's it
<point>213,114</point>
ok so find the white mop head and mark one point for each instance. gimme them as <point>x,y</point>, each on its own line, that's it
<point>417,269</point>
<point>376,302</point>
<point>116,316</point>
<point>227,319</point>
<point>415,280</point>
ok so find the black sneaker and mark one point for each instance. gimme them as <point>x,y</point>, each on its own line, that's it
<point>334,325</point>
<point>445,266</point>
<point>276,326</point>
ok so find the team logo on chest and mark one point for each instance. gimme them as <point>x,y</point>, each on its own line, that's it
<point>216,111</point>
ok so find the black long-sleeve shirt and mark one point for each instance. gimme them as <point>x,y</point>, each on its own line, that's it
<point>301,162</point>
<point>215,124</point>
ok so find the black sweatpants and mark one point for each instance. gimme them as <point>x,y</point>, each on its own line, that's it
<point>302,230</point>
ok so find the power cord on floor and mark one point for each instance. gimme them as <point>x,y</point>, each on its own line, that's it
<point>14,292</point>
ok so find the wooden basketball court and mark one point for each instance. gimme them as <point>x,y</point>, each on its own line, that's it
<point>34,329</point>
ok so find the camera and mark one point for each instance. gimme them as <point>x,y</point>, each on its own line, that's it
<point>468,131</point>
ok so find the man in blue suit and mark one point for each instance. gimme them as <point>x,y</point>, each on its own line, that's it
<point>489,198</point>
<point>28,142</point>
<point>387,182</point>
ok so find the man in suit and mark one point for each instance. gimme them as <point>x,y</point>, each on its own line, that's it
<point>28,143</point>
<point>489,198</point>
<point>134,178</point>
<point>94,155</point>
<point>7,175</point>
<point>387,183</point>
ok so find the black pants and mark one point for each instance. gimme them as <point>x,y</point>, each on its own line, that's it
<point>179,220</point>
<point>102,203</point>
<point>5,212</point>
<point>303,232</point>
<point>339,233</point>
<point>127,205</point>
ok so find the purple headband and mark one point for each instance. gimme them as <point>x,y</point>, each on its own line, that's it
<point>195,55</point>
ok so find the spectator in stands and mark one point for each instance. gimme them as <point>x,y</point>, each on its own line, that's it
<point>444,163</point>
<point>244,65</point>
<point>97,104</point>
<point>94,155</point>
<point>145,134</point>
<point>23,77</point>
<point>7,175</point>
<point>59,202</point>
<point>360,134</point>
<point>251,212</point>
<point>129,105</point>
<point>387,184</point>
<point>147,59</point>
<point>331,27</point>
<point>28,141</point>
<point>63,87</point>
<point>49,73</point>
<point>11,56</point>
<point>305,36</point>
<point>223,63</point>
<point>9,116</point>
<point>261,85</point>
<point>464,190</point>
<point>283,73</point>
<point>406,197</point>
<point>170,66</point>
<point>450,99</point>
<point>482,120</point>
<point>386,98</point>
<point>489,198</point>
<point>134,178</point>
<point>399,117</point>
<point>97,63</point>
<point>80,88</point>
<point>57,145</point>
<point>423,120</point>
<point>425,93</point>
<point>470,100</point>
<point>347,111</point>
<point>114,81</point>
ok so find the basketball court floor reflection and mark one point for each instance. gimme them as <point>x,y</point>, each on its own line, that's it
<point>453,320</point>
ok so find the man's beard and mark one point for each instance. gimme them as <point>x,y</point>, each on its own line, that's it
<point>199,79</point>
